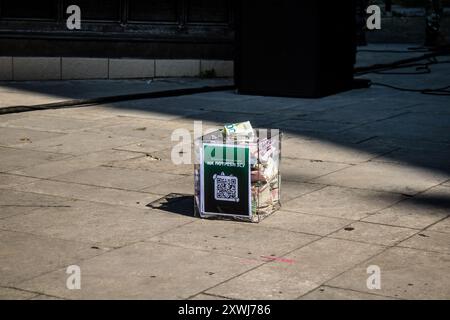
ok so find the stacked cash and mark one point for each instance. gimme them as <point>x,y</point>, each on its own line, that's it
<point>239,130</point>
<point>265,177</point>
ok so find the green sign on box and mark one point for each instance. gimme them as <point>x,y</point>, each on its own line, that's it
<point>225,187</point>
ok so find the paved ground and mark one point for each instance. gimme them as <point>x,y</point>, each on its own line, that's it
<point>366,181</point>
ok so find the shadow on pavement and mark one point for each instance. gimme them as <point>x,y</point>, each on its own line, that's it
<point>175,203</point>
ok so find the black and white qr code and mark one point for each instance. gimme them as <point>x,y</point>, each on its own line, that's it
<point>226,188</point>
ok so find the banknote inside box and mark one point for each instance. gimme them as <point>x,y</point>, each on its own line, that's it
<point>238,177</point>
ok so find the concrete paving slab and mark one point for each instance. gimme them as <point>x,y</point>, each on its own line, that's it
<point>90,160</point>
<point>155,162</point>
<point>140,272</point>
<point>331,151</point>
<point>437,160</point>
<point>429,241</point>
<point>388,177</point>
<point>311,127</point>
<point>304,223</point>
<point>25,256</point>
<point>419,212</point>
<point>184,185</point>
<point>361,113</point>
<point>89,193</point>
<point>407,128</point>
<point>13,203</point>
<point>308,268</point>
<point>398,143</point>
<point>258,105</point>
<point>50,124</point>
<point>305,170</point>
<point>206,297</point>
<point>330,293</point>
<point>170,125</point>
<point>14,294</point>
<point>95,223</point>
<point>439,108</point>
<point>78,143</point>
<point>7,212</point>
<point>319,104</point>
<point>139,128</point>
<point>427,120</point>
<point>9,180</point>
<point>146,146</point>
<point>405,273</point>
<point>235,239</point>
<point>145,128</point>
<point>14,159</point>
<point>353,204</point>
<point>114,178</point>
<point>79,113</point>
<point>442,226</point>
<point>437,196</point>
<point>10,116</point>
<point>13,198</point>
<point>149,109</point>
<point>294,189</point>
<point>407,215</point>
<point>217,119</point>
<point>11,207</point>
<point>45,297</point>
<point>13,136</point>
<point>303,107</point>
<point>374,233</point>
<point>171,104</point>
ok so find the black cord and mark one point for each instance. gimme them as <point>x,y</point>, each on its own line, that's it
<point>394,66</point>
<point>389,51</point>
<point>426,71</point>
<point>437,91</point>
<point>408,50</point>
<point>443,51</point>
<point>420,49</point>
<point>408,63</point>
<point>419,66</point>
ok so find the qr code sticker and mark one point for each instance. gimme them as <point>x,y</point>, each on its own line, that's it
<point>226,188</point>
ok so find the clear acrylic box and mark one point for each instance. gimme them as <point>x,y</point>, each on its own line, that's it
<point>238,177</point>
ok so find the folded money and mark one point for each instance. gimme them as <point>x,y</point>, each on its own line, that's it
<point>243,129</point>
<point>262,151</point>
<point>264,172</point>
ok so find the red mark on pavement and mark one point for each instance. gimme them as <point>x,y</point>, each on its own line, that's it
<point>284,260</point>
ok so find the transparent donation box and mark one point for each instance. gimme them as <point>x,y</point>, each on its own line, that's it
<point>238,177</point>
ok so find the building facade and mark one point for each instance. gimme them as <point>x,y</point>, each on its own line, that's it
<point>117,39</point>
